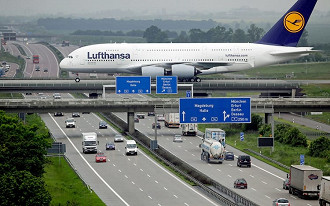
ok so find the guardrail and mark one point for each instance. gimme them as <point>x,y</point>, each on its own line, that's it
<point>222,193</point>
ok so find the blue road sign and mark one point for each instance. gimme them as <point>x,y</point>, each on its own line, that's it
<point>215,110</point>
<point>302,159</point>
<point>133,85</point>
<point>242,136</point>
<point>188,94</point>
<point>167,85</point>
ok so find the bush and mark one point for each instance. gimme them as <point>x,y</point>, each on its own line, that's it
<point>280,132</point>
<point>295,138</point>
<point>265,130</point>
<point>320,147</point>
<point>256,122</point>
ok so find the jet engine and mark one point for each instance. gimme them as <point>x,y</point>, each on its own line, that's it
<point>152,71</point>
<point>185,72</point>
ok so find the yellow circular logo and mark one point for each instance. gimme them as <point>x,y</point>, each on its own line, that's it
<point>294,22</point>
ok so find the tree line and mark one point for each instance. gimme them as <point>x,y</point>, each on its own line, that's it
<point>22,157</point>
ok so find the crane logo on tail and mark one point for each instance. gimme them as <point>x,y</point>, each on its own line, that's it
<point>294,22</point>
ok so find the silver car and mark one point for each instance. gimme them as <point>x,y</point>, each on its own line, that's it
<point>177,138</point>
<point>119,138</point>
<point>281,202</point>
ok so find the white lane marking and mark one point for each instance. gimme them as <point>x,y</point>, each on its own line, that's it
<point>278,189</point>
<point>109,160</point>
<point>264,182</point>
<point>219,170</point>
<point>165,188</point>
<point>229,176</point>
<point>141,189</point>
<point>186,204</point>
<point>150,197</point>
<point>179,180</point>
<point>267,197</point>
<point>134,164</point>
<point>230,165</point>
<point>114,165</point>
<point>175,196</point>
<point>97,174</point>
<point>126,176</point>
<point>186,150</point>
<point>252,176</point>
<point>148,175</point>
<point>156,181</point>
<point>253,189</point>
<point>193,155</point>
<point>240,170</point>
<point>293,197</point>
<point>119,170</point>
<point>141,169</point>
<point>133,183</point>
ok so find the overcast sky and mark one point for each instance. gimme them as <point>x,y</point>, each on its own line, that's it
<point>81,7</point>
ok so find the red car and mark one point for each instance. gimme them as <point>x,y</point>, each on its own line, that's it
<point>240,183</point>
<point>100,157</point>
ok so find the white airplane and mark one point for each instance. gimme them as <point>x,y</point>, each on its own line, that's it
<point>187,60</point>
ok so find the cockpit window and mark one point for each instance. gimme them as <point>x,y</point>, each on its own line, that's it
<point>71,57</point>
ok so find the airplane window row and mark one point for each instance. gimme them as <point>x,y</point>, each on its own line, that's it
<point>238,60</point>
<point>198,60</point>
<point>112,50</point>
<point>99,60</point>
<point>221,49</point>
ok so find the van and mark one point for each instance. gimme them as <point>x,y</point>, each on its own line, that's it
<point>131,147</point>
<point>244,160</point>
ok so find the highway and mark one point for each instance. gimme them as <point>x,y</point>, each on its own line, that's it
<point>264,181</point>
<point>122,180</point>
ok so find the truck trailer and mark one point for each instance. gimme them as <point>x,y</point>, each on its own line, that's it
<point>89,142</point>
<point>189,129</point>
<point>304,180</point>
<point>212,151</point>
<point>324,198</point>
<point>172,120</point>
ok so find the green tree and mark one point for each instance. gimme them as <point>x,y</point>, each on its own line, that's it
<point>154,35</point>
<point>22,188</point>
<point>219,34</point>
<point>265,130</point>
<point>256,122</point>
<point>20,147</point>
<point>319,147</point>
<point>295,138</point>
<point>254,33</point>
<point>239,36</point>
<point>280,132</point>
<point>182,38</point>
<point>197,36</point>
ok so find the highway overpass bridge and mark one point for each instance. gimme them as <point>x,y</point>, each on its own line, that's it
<point>284,88</point>
<point>159,105</point>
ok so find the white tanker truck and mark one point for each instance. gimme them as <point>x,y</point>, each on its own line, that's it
<point>212,151</point>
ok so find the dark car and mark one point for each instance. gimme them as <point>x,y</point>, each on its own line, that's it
<point>136,120</point>
<point>240,183</point>
<point>286,184</point>
<point>229,156</point>
<point>151,113</point>
<point>103,125</point>
<point>244,160</point>
<point>110,146</point>
<point>58,114</point>
<point>45,70</point>
<point>37,68</point>
<point>158,125</point>
<point>75,114</point>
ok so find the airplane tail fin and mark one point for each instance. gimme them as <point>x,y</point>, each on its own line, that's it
<point>288,30</point>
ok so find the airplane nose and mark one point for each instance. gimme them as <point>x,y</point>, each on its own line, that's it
<point>64,63</point>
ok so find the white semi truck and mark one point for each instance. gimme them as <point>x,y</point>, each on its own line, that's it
<point>89,142</point>
<point>212,151</point>
<point>324,198</point>
<point>172,120</point>
<point>216,134</point>
<point>304,180</point>
<point>189,129</point>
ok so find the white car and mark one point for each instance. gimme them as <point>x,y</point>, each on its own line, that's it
<point>281,202</point>
<point>177,138</point>
<point>119,138</point>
